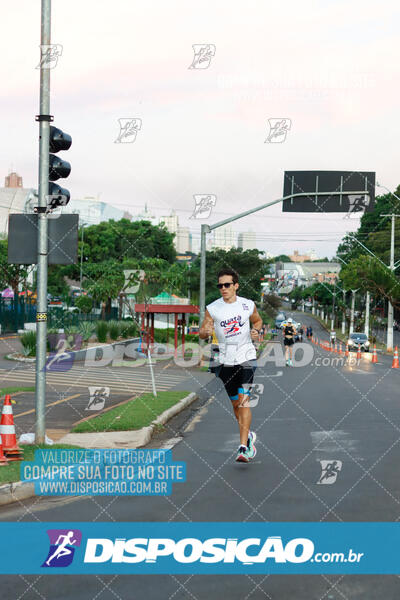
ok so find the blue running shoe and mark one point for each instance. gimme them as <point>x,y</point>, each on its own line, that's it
<point>242,454</point>
<point>251,449</point>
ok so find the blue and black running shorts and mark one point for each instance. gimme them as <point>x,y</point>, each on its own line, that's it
<point>235,377</point>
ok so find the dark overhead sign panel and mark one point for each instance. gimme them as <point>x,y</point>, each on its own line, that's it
<point>62,239</point>
<point>345,191</point>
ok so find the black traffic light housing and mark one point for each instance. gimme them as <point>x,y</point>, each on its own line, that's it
<point>58,168</point>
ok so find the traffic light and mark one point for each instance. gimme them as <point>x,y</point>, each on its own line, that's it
<point>58,168</point>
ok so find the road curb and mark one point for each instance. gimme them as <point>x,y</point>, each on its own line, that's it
<point>20,490</point>
<point>17,490</point>
<point>133,438</point>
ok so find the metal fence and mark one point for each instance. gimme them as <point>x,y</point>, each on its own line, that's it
<point>15,312</point>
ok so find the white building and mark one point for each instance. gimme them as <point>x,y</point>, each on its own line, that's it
<point>183,237</point>
<point>14,200</point>
<point>224,237</point>
<point>92,211</point>
<point>171,222</point>
<point>146,215</point>
<point>182,240</point>
<point>247,240</point>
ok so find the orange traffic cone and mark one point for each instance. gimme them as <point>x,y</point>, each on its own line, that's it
<point>374,355</point>
<point>340,349</point>
<point>358,352</point>
<point>347,353</point>
<point>7,432</point>
<point>336,350</point>
<point>3,459</point>
<point>395,363</point>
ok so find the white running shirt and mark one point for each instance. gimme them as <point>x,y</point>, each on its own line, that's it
<point>232,328</point>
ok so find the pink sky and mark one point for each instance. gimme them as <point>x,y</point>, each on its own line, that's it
<point>329,66</point>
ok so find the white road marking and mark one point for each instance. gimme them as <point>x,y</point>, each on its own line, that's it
<point>336,441</point>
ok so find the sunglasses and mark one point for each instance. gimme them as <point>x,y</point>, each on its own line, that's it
<point>226,285</point>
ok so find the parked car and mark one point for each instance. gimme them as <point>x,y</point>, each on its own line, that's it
<point>280,318</point>
<point>356,339</point>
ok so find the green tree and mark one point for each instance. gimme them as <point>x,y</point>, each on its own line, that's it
<point>10,275</point>
<point>369,274</point>
<point>56,284</point>
<point>84,303</point>
<point>371,223</point>
<point>250,266</point>
<point>103,282</point>
<point>282,258</point>
<point>271,304</point>
<point>124,239</point>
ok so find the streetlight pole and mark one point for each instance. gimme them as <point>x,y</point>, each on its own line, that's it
<point>208,228</point>
<point>367,301</point>
<point>333,308</point>
<point>389,339</point>
<point>353,301</point>
<point>344,313</point>
<point>41,309</point>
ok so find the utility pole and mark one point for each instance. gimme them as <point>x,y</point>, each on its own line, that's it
<point>389,339</point>
<point>81,269</point>
<point>333,308</point>
<point>344,313</point>
<point>44,119</point>
<point>353,302</point>
<point>367,301</point>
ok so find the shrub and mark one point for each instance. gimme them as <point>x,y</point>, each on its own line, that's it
<point>28,341</point>
<point>86,330</point>
<point>101,331</point>
<point>128,329</point>
<point>160,335</point>
<point>113,330</point>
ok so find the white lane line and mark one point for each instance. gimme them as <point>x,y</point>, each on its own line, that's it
<point>168,444</point>
<point>278,374</point>
<point>333,442</point>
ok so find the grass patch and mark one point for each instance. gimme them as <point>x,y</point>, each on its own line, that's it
<point>11,472</point>
<point>135,414</point>
<point>12,390</point>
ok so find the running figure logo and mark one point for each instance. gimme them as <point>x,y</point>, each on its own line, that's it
<point>253,391</point>
<point>61,360</point>
<point>278,129</point>
<point>330,470</point>
<point>98,397</point>
<point>357,204</point>
<point>62,547</point>
<point>203,54</point>
<point>128,129</point>
<point>49,55</point>
<point>203,205</point>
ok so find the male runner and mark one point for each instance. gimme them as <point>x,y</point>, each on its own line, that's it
<point>289,332</point>
<point>231,316</point>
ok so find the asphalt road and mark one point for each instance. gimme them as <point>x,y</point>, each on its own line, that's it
<point>319,411</point>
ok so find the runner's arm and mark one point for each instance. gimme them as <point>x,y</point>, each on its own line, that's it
<point>256,322</point>
<point>207,326</point>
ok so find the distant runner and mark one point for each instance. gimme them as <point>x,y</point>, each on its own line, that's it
<point>289,332</point>
<point>231,316</point>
